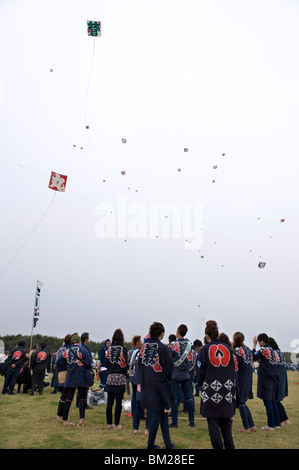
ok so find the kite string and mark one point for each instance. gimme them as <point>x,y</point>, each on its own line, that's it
<point>87,90</point>
<point>28,236</point>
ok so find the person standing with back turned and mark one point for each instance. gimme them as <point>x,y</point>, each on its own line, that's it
<point>216,375</point>
<point>155,369</point>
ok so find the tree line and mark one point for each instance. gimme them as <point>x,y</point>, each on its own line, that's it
<point>52,342</point>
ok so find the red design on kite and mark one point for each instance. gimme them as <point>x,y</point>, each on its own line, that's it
<point>219,355</point>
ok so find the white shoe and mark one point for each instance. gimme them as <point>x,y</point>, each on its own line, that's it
<point>267,428</point>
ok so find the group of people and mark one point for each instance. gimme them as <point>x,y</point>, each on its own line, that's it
<point>25,369</point>
<point>164,375</point>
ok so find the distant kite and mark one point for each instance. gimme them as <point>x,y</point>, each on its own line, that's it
<point>123,172</point>
<point>215,167</point>
<point>282,220</point>
<point>57,182</point>
<point>185,149</point>
<point>124,141</point>
<point>94,28</point>
<point>179,169</point>
<point>261,265</point>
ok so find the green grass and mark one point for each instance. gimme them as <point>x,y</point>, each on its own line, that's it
<point>28,422</point>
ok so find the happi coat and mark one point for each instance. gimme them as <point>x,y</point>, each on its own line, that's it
<point>155,373</point>
<point>217,377</point>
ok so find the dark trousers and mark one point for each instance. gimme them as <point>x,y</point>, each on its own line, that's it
<point>69,395</point>
<point>282,412</point>
<point>246,416</point>
<point>103,378</point>
<point>138,415</point>
<point>158,417</point>
<point>273,418</point>
<point>12,375</point>
<point>118,405</point>
<point>37,380</point>
<point>61,402</point>
<point>187,390</point>
<point>220,431</point>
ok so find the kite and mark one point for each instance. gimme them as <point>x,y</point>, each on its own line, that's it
<point>261,265</point>
<point>57,182</point>
<point>124,141</point>
<point>215,167</point>
<point>185,149</point>
<point>282,220</point>
<point>123,172</point>
<point>94,28</point>
<point>179,169</point>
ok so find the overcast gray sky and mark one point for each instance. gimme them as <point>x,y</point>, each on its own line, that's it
<point>210,76</point>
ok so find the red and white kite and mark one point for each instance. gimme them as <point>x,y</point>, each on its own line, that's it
<point>57,182</point>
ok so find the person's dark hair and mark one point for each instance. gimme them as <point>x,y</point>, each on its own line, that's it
<point>21,342</point>
<point>84,336</point>
<point>68,339</point>
<point>182,329</point>
<point>156,329</point>
<point>238,339</point>
<point>263,337</point>
<point>171,338</point>
<point>135,340</point>
<point>118,337</point>
<point>212,329</point>
<point>273,343</point>
<point>197,343</point>
<point>225,339</point>
<point>43,345</point>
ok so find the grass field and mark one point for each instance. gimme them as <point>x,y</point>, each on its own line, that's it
<point>28,422</point>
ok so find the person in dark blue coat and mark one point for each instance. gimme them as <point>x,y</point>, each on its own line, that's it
<point>282,391</point>
<point>267,384</point>
<point>155,369</point>
<point>184,361</point>
<point>39,362</point>
<point>78,377</point>
<point>14,363</point>
<point>102,367</point>
<point>61,370</point>
<point>216,376</point>
<point>117,367</point>
<point>244,373</point>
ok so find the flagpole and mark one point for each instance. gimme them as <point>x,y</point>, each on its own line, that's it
<point>30,347</point>
<point>34,317</point>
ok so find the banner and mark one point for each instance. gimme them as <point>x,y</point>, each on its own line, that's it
<point>36,303</point>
